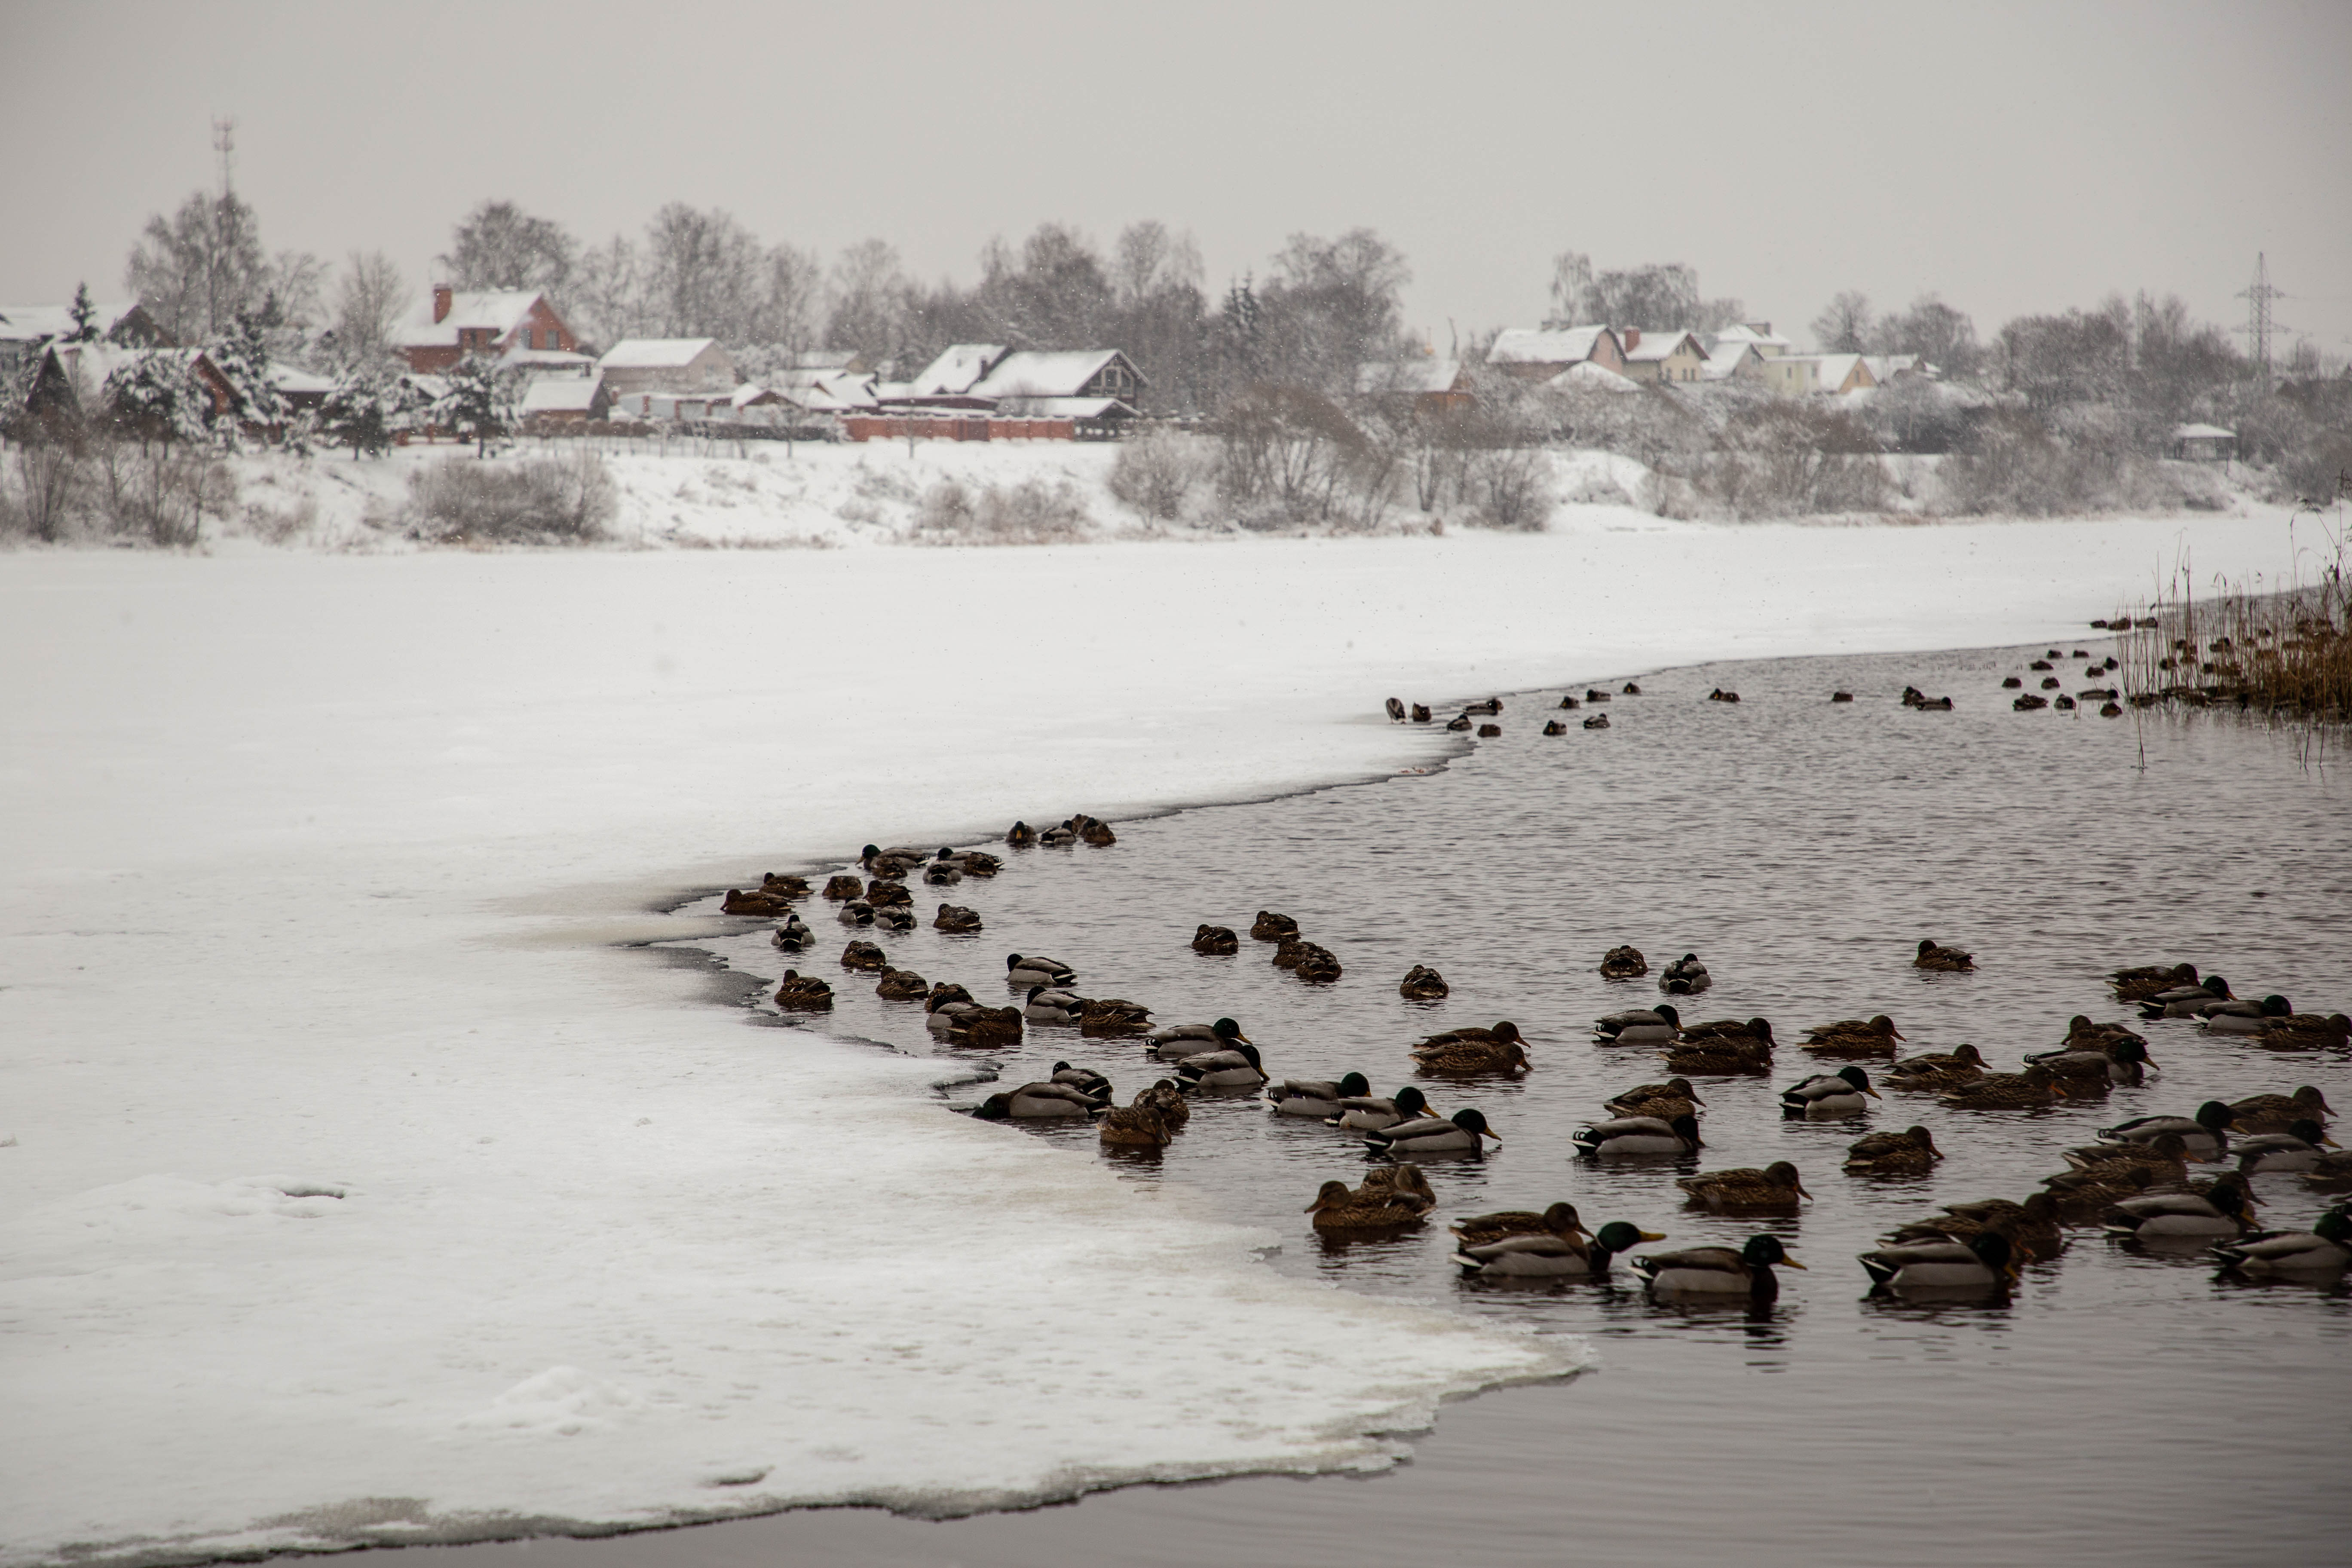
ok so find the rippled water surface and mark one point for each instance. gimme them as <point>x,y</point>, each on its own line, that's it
<point>2124,1405</point>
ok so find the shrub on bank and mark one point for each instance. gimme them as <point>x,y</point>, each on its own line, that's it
<point>538,500</point>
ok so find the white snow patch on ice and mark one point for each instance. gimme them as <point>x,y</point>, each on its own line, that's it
<point>310,858</point>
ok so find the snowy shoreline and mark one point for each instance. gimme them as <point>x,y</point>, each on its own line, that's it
<point>320,862</point>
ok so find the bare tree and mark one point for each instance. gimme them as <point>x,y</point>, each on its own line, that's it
<point>368,299</point>
<point>1574,302</point>
<point>607,295</point>
<point>500,246</point>
<point>1149,261</point>
<point>296,283</point>
<point>1843,326</point>
<point>1934,330</point>
<point>870,295</point>
<point>198,270</point>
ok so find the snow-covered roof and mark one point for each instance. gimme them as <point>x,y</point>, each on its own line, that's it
<point>1885,367</point>
<point>827,391</point>
<point>2202,433</point>
<point>655,353</point>
<point>1656,346</point>
<point>548,359</point>
<point>958,368</point>
<point>496,311</point>
<point>1726,359</point>
<point>752,392</point>
<point>1835,368</point>
<point>293,378</point>
<point>1545,345</point>
<point>1588,377</point>
<point>30,323</point>
<point>561,394</point>
<point>1050,375</point>
<point>1066,408</point>
<point>1761,333</point>
<point>1408,375</point>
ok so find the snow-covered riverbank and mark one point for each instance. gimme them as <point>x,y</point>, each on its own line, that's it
<point>312,864</point>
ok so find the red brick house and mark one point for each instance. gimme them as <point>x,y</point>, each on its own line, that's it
<point>450,324</point>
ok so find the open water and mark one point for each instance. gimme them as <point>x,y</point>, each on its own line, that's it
<point>2123,1404</point>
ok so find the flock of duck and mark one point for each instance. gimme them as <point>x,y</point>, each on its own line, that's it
<point>2134,1179</point>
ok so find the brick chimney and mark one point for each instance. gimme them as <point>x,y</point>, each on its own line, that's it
<point>1632,337</point>
<point>440,302</point>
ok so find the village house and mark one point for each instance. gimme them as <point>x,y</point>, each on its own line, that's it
<point>1661,356</point>
<point>1837,374</point>
<point>448,325</point>
<point>565,400</point>
<point>947,382</point>
<point>1784,370</point>
<point>1887,368</point>
<point>2202,444</point>
<point>1540,353</point>
<point>1422,386</point>
<point>1735,361</point>
<point>690,365</point>
<point>26,329</point>
<point>1076,383</point>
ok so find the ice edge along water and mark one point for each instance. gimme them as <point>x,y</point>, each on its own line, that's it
<point>603,1257</point>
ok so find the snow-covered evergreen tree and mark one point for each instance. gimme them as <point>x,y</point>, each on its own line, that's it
<point>85,316</point>
<point>481,402</point>
<point>358,415</point>
<point>243,358</point>
<point>155,396</point>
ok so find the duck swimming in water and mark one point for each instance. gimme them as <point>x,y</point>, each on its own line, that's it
<point>1937,1070</point>
<point>1666,1100</point>
<point>2278,1112</point>
<point>1775,1189</point>
<point>2324,1249</point>
<point>2185,1001</point>
<point>1318,1097</point>
<point>2296,1149</point>
<point>1911,1153</point>
<point>1423,983</point>
<point>2148,979</point>
<point>1216,942</point>
<point>1985,1261</point>
<point>1637,1135</point>
<point>2036,1085</point>
<point>1177,1041</point>
<point>2221,1212</point>
<point>1498,1049</point>
<point>1150,1121</point>
<point>1371,1113</point>
<point>1235,1068</point>
<point>1025,972</point>
<point>2238,1018</point>
<point>1623,963</point>
<point>1538,1257</point>
<point>1686,976</point>
<point>2032,1226</point>
<point>1840,1093</point>
<point>1719,1270</point>
<point>1638,1027</point>
<point>2204,1136</point>
<point>1943,959</point>
<point>1477,1230</point>
<point>1374,1206</point>
<point>1457,1134</point>
<point>1854,1037</point>
<point>1037,1101</point>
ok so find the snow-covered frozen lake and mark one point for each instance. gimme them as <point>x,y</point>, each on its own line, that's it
<point>356,1188</point>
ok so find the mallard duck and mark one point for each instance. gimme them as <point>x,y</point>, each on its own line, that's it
<point>1052,1004</point>
<point>1594,694</point>
<point>1554,727</point>
<point>1823,1095</point>
<point>2325,1249</point>
<point>1428,1135</point>
<point>1598,721</point>
<point>1095,831</point>
<point>956,919</point>
<point>975,862</point>
<point>1271,927</point>
<point>2158,1216</point>
<point>1337,1208</point>
<point>865,955</point>
<point>942,874</point>
<point>884,895</point>
<point>1421,714</point>
<point>1036,1102</point>
<point>1840,695</point>
<point>857,913</point>
<point>2031,1226</point>
<point>1216,942</point>
<point>892,918</point>
<point>1086,1081</point>
<point>1552,1257</point>
<point>902,985</point>
<point>1396,711</point>
<point>2279,1113</point>
<point>1937,1070</point>
<point>1623,963</point>
<point>801,993</point>
<point>1034,970</point>
<point>1854,1037</point>
<point>1141,1125</point>
<point>2205,1136</point>
<point>1182,1040</point>
<point>2007,1090</point>
<point>1686,976</point>
<point>1640,1025</point>
<point>2089,1073</point>
<point>1569,703</point>
<point>1403,1178</point>
<point>2330,1174</point>
<point>1318,1097</point>
<point>2183,1000</point>
<point>758,901</point>
<point>793,934</point>
<point>970,1024</point>
<point>1318,965</point>
<point>1943,959</point>
<point>1021,836</point>
<point>2296,1149</point>
<point>2165,1158</point>
<point>1775,1189</point>
<point>1423,983</point>
<point>1666,1100</point>
<point>2232,1018</point>
<point>1630,1135</point>
<point>2306,1032</point>
<point>1061,837</point>
<point>2122,1054</point>
<point>1482,1230</point>
<point>1719,1270</point>
<point>843,886</point>
<point>1107,1018</point>
<point>1288,951</point>
<point>1499,1044</point>
<point>1371,1113</point>
<point>1912,1152</point>
<point>1752,1035</point>
<point>1717,1057</point>
<point>2148,979</point>
<point>1985,1261</point>
<point>1223,1070</point>
<point>944,992</point>
<point>2082,1196</point>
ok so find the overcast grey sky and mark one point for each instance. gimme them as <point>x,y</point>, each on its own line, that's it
<point>2010,158</point>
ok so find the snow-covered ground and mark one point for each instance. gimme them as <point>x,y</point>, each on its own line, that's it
<point>355,1188</point>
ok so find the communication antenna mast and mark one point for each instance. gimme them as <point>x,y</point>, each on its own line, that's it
<point>224,146</point>
<point>2259,324</point>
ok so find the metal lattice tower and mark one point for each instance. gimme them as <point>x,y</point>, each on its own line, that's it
<point>2259,325</point>
<point>224,146</point>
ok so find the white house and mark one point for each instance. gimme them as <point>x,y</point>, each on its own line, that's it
<point>1053,384</point>
<point>668,364</point>
<point>1540,353</point>
<point>1663,356</point>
